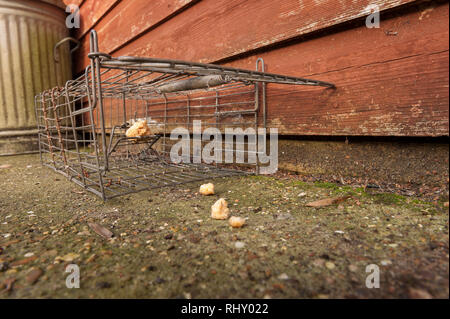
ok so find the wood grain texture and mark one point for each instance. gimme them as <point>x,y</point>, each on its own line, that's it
<point>91,11</point>
<point>386,85</point>
<point>391,81</point>
<point>128,19</point>
<point>213,30</point>
<point>75,2</point>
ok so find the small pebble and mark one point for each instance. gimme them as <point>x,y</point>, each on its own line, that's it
<point>283,276</point>
<point>239,244</point>
<point>330,265</point>
<point>352,268</point>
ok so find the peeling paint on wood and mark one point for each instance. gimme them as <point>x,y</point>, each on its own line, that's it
<point>130,18</point>
<point>240,26</point>
<point>91,12</point>
<point>75,2</point>
<point>396,86</point>
<point>387,85</point>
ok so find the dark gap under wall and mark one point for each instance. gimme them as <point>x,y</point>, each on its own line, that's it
<point>414,162</point>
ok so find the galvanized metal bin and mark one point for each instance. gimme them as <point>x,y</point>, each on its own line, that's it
<point>29,31</point>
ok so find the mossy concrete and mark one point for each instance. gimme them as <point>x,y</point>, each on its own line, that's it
<point>167,246</point>
<point>414,167</point>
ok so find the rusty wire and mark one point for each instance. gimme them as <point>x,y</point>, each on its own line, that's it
<point>92,113</point>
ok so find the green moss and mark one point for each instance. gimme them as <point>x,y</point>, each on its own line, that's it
<point>388,198</point>
<point>301,184</point>
<point>326,185</point>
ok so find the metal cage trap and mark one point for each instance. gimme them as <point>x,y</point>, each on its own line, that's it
<point>82,125</point>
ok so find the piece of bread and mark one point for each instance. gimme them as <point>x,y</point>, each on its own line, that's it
<point>139,129</point>
<point>220,209</point>
<point>236,222</point>
<point>207,189</point>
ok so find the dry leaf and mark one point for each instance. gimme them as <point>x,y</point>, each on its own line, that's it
<point>419,294</point>
<point>70,257</point>
<point>67,258</point>
<point>15,241</point>
<point>34,275</point>
<point>102,231</point>
<point>23,261</point>
<point>327,201</point>
<point>8,283</point>
<point>91,258</point>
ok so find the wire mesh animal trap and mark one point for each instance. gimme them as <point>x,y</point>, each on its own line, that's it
<point>83,126</point>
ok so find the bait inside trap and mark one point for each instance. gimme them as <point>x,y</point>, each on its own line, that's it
<point>82,126</point>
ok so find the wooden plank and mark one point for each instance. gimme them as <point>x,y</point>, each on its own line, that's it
<point>91,12</point>
<point>130,18</point>
<point>386,85</point>
<point>371,101</point>
<point>213,30</point>
<point>75,2</point>
<point>404,97</point>
<point>391,81</point>
<point>62,4</point>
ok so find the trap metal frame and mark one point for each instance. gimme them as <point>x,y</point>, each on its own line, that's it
<point>82,125</point>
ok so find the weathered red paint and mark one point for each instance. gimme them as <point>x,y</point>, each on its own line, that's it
<point>391,81</point>
<point>116,31</point>
<point>386,85</point>
<point>219,29</point>
<point>91,12</point>
<point>75,2</point>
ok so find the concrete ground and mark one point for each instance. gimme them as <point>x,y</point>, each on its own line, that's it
<point>166,245</point>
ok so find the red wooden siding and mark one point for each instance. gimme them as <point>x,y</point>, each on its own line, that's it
<point>219,29</point>
<point>75,2</point>
<point>391,81</point>
<point>120,28</point>
<point>91,12</point>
